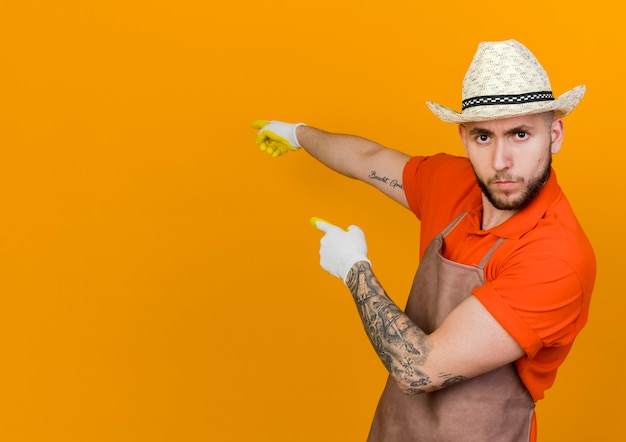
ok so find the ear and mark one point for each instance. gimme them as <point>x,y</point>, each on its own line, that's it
<point>462,135</point>
<point>556,134</point>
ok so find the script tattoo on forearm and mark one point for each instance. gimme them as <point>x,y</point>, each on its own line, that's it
<point>400,344</point>
<point>394,183</point>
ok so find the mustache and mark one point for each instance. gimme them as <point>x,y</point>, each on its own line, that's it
<point>504,177</point>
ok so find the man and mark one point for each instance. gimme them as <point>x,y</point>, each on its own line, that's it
<point>506,272</point>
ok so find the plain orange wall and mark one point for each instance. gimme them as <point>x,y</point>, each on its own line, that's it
<point>159,280</point>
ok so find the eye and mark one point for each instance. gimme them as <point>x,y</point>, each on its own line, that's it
<point>482,138</point>
<point>521,135</point>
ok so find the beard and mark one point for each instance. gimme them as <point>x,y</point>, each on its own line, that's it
<point>535,184</point>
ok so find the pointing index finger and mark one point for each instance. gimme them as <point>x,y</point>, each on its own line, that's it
<point>322,224</point>
<point>259,124</point>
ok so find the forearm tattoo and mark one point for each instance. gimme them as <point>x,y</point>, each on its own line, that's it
<point>400,344</point>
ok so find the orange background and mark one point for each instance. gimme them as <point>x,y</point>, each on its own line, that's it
<point>159,279</point>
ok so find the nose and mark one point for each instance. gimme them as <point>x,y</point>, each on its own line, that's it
<point>502,156</point>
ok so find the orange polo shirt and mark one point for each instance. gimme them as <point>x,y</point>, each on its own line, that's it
<point>538,282</point>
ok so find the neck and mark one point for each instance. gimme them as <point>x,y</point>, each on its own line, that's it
<point>493,217</point>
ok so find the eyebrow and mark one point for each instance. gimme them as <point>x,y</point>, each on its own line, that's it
<point>480,131</point>
<point>512,131</point>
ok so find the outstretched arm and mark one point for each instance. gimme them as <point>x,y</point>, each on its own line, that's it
<point>350,155</point>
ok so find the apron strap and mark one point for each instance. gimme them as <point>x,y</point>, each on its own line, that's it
<point>453,224</point>
<point>486,258</point>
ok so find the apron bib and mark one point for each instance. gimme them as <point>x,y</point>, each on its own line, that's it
<point>495,406</point>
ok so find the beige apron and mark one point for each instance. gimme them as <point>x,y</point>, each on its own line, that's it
<point>492,407</point>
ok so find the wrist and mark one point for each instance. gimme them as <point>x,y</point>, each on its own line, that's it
<point>357,265</point>
<point>297,131</point>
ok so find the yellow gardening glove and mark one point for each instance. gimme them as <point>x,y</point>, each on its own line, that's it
<point>276,138</point>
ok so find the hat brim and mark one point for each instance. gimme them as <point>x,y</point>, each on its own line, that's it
<point>561,106</point>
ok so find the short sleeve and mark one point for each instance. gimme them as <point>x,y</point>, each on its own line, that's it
<point>438,185</point>
<point>412,185</point>
<point>537,299</point>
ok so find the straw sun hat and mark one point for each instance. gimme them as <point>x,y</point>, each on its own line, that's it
<point>506,80</point>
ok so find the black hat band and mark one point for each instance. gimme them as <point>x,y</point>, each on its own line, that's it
<point>488,100</point>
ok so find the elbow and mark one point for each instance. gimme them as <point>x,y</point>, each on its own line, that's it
<point>412,385</point>
<point>417,385</point>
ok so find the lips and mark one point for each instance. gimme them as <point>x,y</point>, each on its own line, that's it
<point>505,184</point>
